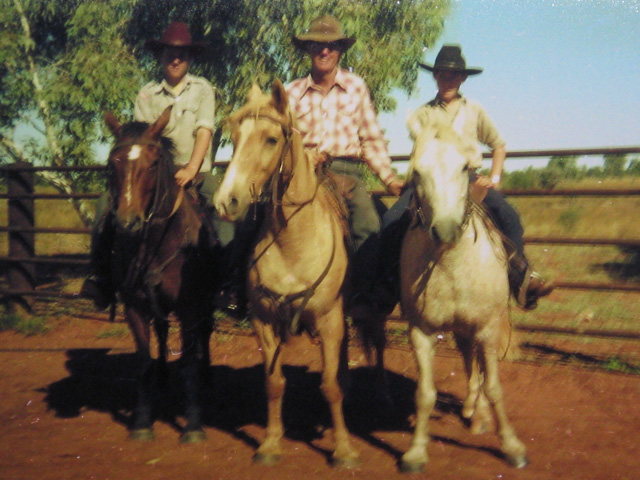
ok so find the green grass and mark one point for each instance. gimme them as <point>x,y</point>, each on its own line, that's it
<point>119,331</point>
<point>27,326</point>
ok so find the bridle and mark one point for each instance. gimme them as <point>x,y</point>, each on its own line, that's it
<point>275,183</point>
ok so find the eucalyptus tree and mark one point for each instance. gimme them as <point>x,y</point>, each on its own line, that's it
<point>63,63</point>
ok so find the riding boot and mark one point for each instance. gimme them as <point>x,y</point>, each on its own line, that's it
<point>98,286</point>
<point>527,286</point>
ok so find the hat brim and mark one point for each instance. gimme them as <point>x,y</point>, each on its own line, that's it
<point>466,71</point>
<point>156,46</point>
<point>301,41</point>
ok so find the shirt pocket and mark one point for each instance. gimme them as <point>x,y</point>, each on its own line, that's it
<point>304,116</point>
<point>347,107</point>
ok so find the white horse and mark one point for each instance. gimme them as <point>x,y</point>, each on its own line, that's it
<point>454,278</point>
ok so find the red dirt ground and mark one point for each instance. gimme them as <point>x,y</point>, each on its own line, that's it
<point>65,401</point>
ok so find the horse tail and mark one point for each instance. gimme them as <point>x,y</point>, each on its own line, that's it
<point>372,335</point>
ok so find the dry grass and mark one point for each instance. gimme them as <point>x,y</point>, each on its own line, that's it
<point>595,217</point>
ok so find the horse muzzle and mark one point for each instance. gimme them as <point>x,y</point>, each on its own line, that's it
<point>445,232</point>
<point>129,225</point>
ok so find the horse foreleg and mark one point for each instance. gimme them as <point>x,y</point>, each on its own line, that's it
<point>415,459</point>
<point>162,332</point>
<point>141,428</point>
<point>270,450</point>
<point>191,372</point>
<point>513,449</point>
<point>332,334</point>
<point>474,407</point>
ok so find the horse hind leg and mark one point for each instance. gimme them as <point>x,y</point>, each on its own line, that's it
<point>415,459</point>
<point>270,450</point>
<point>513,449</point>
<point>475,407</point>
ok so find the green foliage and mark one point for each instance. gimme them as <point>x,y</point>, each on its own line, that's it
<point>569,218</point>
<point>249,41</point>
<point>634,167</point>
<point>614,165</point>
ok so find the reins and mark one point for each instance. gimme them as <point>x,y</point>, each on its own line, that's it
<point>275,183</point>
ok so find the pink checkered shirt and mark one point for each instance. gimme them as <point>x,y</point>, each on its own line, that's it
<point>342,123</point>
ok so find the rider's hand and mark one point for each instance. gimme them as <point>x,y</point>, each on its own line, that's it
<point>184,176</point>
<point>486,182</point>
<point>395,186</point>
<point>318,157</point>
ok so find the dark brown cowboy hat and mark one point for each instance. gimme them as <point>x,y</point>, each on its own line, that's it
<point>178,35</point>
<point>450,59</point>
<point>324,29</point>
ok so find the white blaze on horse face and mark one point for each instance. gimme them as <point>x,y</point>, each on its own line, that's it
<point>444,183</point>
<point>134,154</point>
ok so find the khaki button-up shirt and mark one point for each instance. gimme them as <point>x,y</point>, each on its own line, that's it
<point>193,108</point>
<point>468,119</point>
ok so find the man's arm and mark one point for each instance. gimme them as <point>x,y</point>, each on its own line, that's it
<point>200,148</point>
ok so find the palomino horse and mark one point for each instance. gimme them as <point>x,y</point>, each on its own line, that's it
<point>162,261</point>
<point>454,278</point>
<point>297,268</point>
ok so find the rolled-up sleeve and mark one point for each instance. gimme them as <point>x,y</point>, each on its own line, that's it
<point>206,109</point>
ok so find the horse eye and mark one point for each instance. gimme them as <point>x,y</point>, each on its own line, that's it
<point>272,140</point>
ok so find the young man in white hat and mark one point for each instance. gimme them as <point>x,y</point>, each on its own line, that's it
<point>335,115</point>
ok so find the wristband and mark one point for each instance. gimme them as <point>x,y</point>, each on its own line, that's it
<point>495,179</point>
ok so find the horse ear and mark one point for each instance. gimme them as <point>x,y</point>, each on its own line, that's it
<point>156,128</point>
<point>254,93</point>
<point>279,96</point>
<point>113,123</point>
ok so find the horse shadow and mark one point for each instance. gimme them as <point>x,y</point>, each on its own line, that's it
<point>234,398</point>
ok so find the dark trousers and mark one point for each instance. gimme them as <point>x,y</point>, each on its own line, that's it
<point>364,224</point>
<point>395,223</point>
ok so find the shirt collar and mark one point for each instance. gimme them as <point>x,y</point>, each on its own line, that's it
<point>437,102</point>
<point>166,87</point>
<point>310,84</point>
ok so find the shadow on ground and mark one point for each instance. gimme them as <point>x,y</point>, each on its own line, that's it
<point>234,398</point>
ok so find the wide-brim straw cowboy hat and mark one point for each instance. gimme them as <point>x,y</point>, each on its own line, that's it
<point>324,29</point>
<point>177,34</point>
<point>450,59</point>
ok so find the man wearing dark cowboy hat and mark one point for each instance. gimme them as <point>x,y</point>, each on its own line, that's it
<point>336,117</point>
<point>190,128</point>
<point>473,125</point>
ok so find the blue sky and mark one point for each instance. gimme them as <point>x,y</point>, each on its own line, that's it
<point>557,74</point>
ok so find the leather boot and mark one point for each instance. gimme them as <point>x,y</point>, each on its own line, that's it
<point>98,286</point>
<point>527,286</point>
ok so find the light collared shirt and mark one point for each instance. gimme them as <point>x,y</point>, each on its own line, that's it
<point>468,119</point>
<point>193,108</point>
<point>342,122</point>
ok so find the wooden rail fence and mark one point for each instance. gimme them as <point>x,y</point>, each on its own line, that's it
<point>19,265</point>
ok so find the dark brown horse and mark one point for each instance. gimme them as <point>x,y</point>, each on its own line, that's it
<point>162,261</point>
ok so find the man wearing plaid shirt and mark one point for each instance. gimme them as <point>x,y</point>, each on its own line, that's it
<point>336,117</point>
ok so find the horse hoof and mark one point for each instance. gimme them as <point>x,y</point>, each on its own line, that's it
<point>345,463</point>
<point>268,459</point>
<point>193,436</point>
<point>517,461</point>
<point>411,467</point>
<point>142,435</point>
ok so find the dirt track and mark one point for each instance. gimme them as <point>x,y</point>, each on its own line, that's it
<point>66,399</point>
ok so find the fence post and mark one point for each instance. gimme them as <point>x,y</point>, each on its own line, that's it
<point>21,275</point>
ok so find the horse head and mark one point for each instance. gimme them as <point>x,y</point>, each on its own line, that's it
<point>439,171</point>
<point>138,159</point>
<point>260,131</point>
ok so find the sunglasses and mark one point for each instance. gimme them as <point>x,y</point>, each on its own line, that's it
<point>317,47</point>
